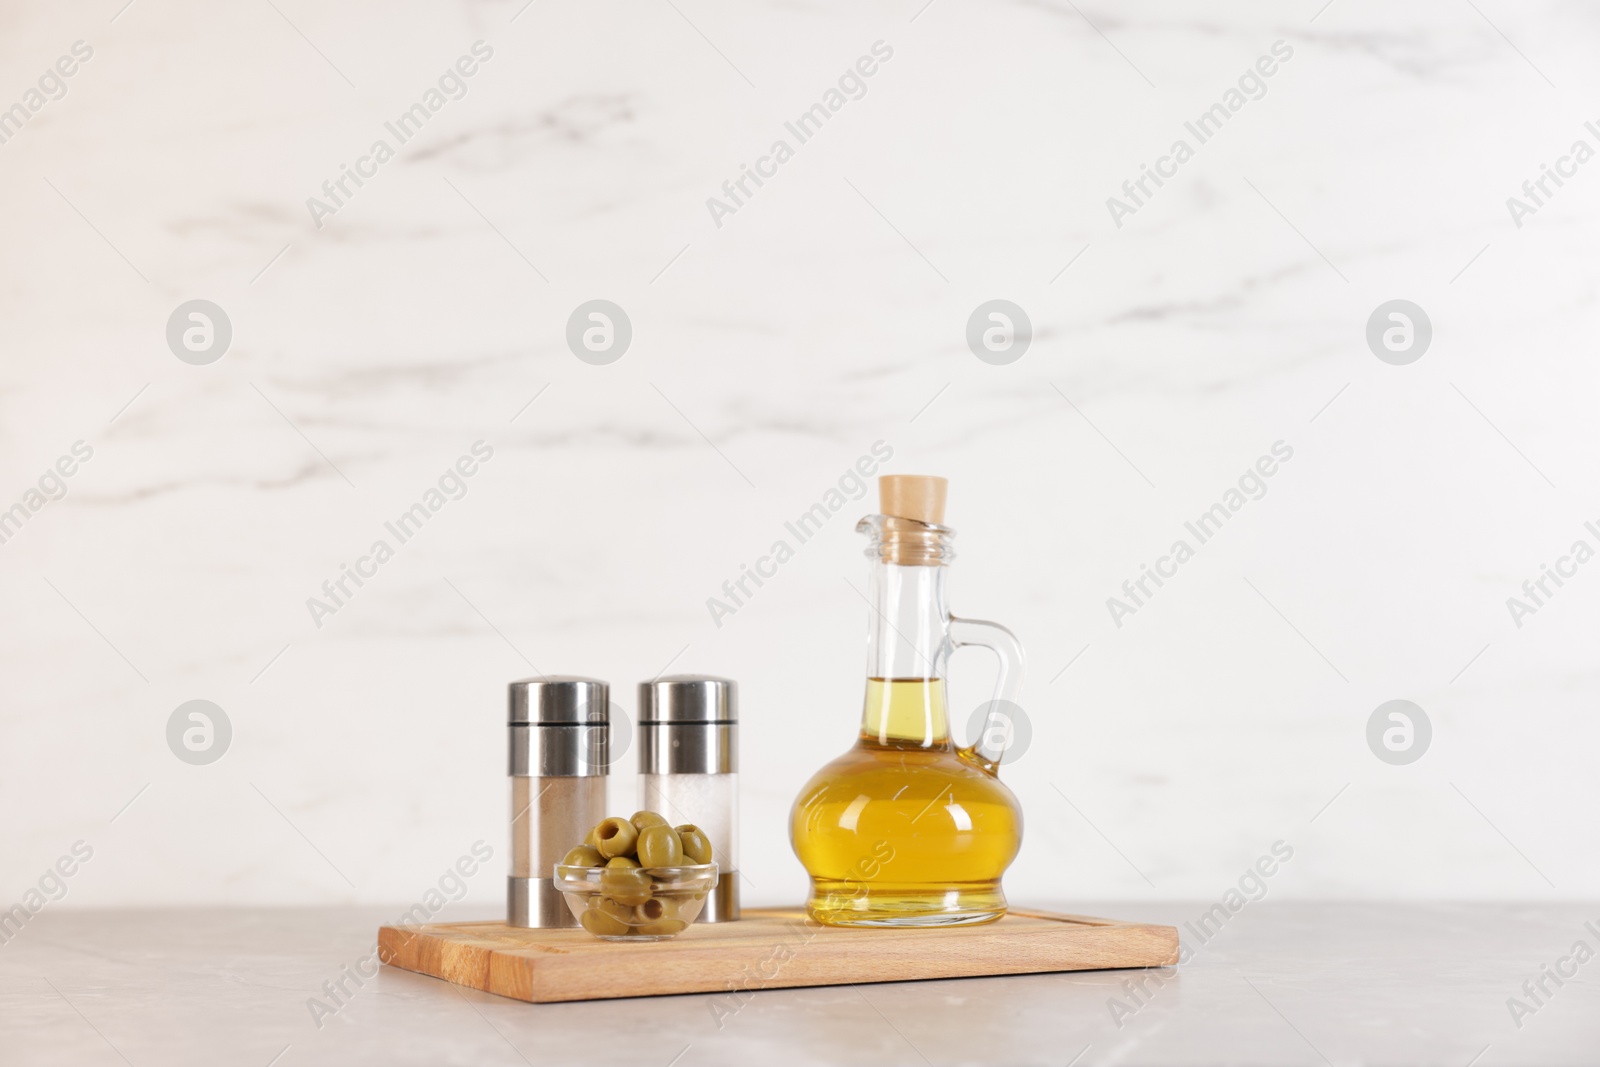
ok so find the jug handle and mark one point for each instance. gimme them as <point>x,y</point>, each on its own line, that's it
<point>988,747</point>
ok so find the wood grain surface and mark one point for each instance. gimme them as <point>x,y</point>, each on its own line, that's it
<point>767,949</point>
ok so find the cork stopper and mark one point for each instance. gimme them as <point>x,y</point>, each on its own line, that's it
<point>912,531</point>
<point>918,497</point>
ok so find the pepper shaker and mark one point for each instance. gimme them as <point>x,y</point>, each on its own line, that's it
<point>689,769</point>
<point>560,729</point>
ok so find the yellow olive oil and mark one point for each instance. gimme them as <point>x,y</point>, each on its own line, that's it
<point>904,829</point>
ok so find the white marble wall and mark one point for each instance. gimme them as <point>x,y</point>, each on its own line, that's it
<point>827,313</point>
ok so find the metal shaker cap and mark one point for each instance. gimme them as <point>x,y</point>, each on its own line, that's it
<point>689,698</point>
<point>559,699</point>
<point>560,726</point>
<point>689,724</point>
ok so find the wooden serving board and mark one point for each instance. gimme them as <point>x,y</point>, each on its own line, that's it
<point>766,949</point>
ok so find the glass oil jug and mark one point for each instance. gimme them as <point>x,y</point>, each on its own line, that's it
<point>906,829</point>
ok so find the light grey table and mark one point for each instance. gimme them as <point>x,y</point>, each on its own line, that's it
<point>1280,984</point>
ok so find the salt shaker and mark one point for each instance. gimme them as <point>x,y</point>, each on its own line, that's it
<point>689,769</point>
<point>560,731</point>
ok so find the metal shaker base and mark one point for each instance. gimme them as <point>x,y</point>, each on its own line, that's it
<point>536,903</point>
<point>722,906</point>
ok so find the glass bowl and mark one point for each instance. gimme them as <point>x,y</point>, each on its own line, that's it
<point>636,903</point>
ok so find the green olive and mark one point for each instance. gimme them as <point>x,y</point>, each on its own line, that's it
<point>659,847</point>
<point>583,856</point>
<point>642,819</point>
<point>672,907</point>
<point>626,885</point>
<point>696,845</point>
<point>623,913</point>
<point>664,928</point>
<point>622,862</point>
<point>600,924</point>
<point>652,910</point>
<point>616,837</point>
